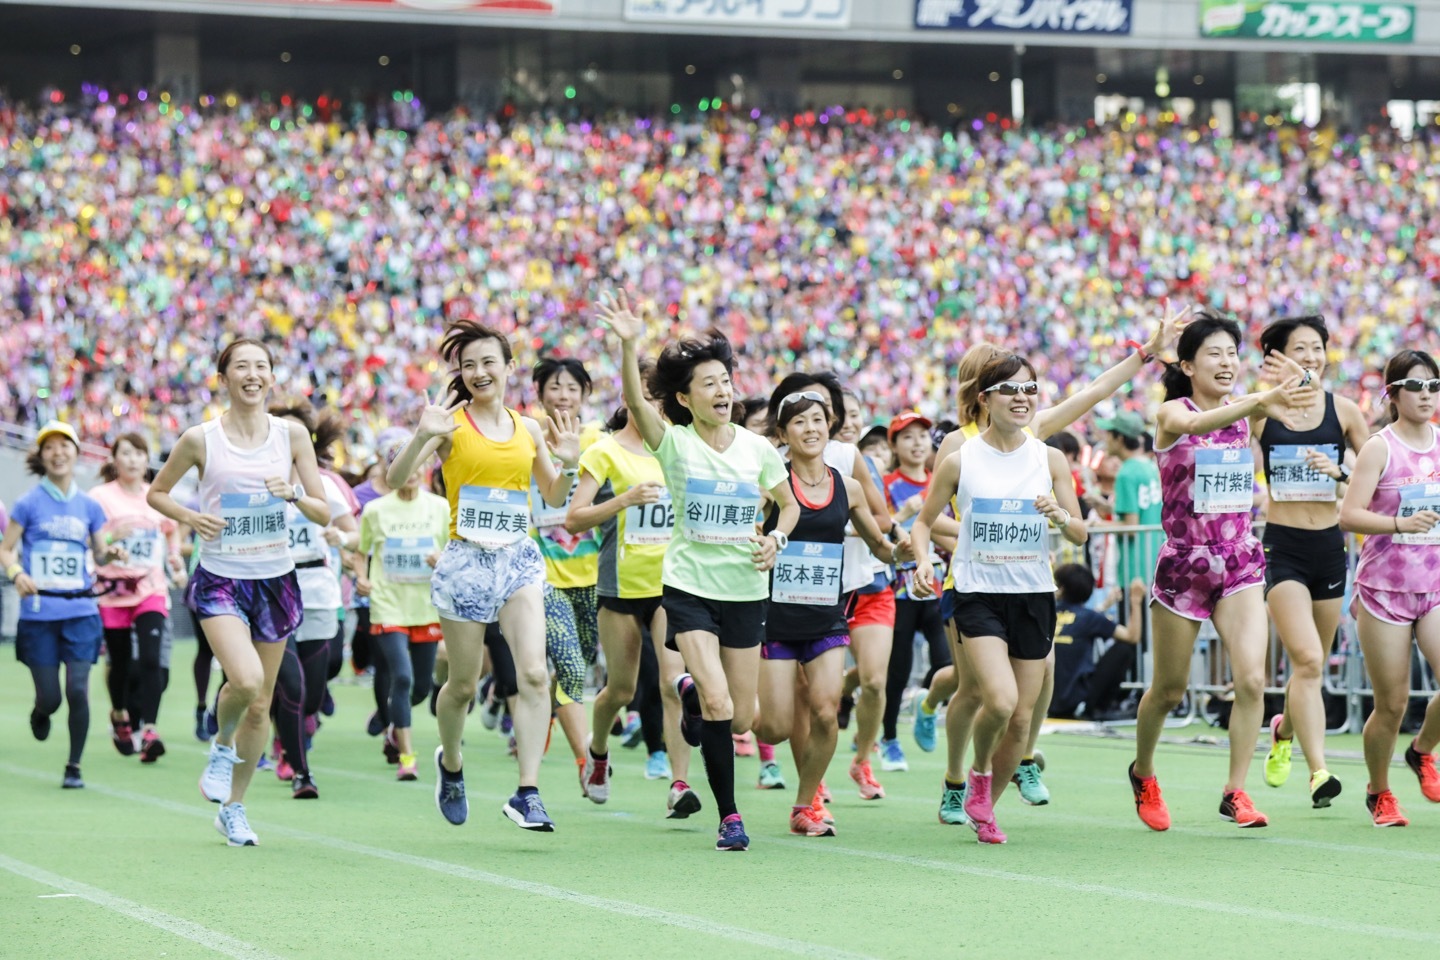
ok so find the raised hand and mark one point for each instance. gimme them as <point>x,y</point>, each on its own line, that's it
<point>562,435</point>
<point>437,420</point>
<point>614,311</point>
<point>1281,403</point>
<point>642,493</point>
<point>1169,330</point>
<point>1278,368</point>
<point>208,525</point>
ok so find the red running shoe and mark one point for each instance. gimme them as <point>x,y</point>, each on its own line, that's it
<point>1424,766</point>
<point>1237,808</point>
<point>1148,802</point>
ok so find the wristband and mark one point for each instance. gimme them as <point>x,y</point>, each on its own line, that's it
<point>1344,474</point>
<point>297,492</point>
<point>1140,349</point>
<point>1062,523</point>
<point>14,570</point>
<point>782,540</point>
<point>571,472</point>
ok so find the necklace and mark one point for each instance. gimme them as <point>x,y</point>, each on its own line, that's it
<point>807,481</point>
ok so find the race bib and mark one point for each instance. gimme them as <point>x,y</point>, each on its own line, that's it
<point>403,559</point>
<point>146,549</point>
<point>808,573</point>
<point>1007,531</point>
<point>491,517</point>
<point>650,524</point>
<point>1224,480</point>
<point>1413,499</point>
<point>254,526</point>
<point>721,511</point>
<point>1291,479</point>
<point>306,542</point>
<point>58,565</point>
<point>544,514</point>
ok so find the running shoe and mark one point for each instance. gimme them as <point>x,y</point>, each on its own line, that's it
<point>234,827</point>
<point>770,777</point>
<point>1424,766</point>
<point>1323,788</point>
<point>450,792</point>
<point>491,713</point>
<point>633,732</point>
<point>39,724</point>
<point>952,807</point>
<point>123,735</point>
<point>1039,757</point>
<point>512,748</point>
<point>988,832</point>
<point>924,727</point>
<point>804,823</point>
<point>1237,808</point>
<point>824,793</point>
<point>979,805</point>
<point>72,780</point>
<point>374,726</point>
<point>732,838</point>
<point>1149,805</point>
<point>152,748</point>
<point>406,771</point>
<point>842,715</point>
<point>215,780</point>
<point>892,757</point>
<point>302,787</point>
<point>690,718</point>
<point>595,775</point>
<point>821,811</point>
<point>1277,761</point>
<point>327,704</point>
<point>390,746</point>
<point>744,744</point>
<point>1385,809</point>
<point>202,729</point>
<point>507,724</point>
<point>1033,791</point>
<point>528,813</point>
<point>657,766</point>
<point>283,770</point>
<point>682,801</point>
<point>212,724</point>
<point>864,778</point>
<point>263,763</point>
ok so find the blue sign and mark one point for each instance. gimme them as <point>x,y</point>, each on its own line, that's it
<point>1026,16</point>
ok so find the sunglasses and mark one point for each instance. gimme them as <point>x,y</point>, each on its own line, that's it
<point>1008,388</point>
<point>1415,385</point>
<point>805,395</point>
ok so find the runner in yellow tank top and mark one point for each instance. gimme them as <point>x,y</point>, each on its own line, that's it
<point>491,571</point>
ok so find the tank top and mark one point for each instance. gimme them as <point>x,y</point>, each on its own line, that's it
<point>806,595</point>
<point>861,569</point>
<point>969,431</point>
<point>1004,544</point>
<point>1284,450</point>
<point>254,544</point>
<point>1207,486</point>
<point>487,483</point>
<point>1410,482</point>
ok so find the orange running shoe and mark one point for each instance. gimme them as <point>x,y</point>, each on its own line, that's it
<point>805,823</point>
<point>1385,809</point>
<point>1424,766</point>
<point>818,806</point>
<point>824,793</point>
<point>864,778</point>
<point>1236,807</point>
<point>1148,802</point>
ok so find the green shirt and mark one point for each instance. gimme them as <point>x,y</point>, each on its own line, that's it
<point>397,535</point>
<point>717,504</point>
<point>1137,491</point>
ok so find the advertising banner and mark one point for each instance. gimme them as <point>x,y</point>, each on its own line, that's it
<point>1026,16</point>
<point>743,13</point>
<point>1315,20</point>
<point>530,8</point>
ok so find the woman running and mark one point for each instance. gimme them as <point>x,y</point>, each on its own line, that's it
<point>244,591</point>
<point>401,535</point>
<point>622,491</point>
<point>1004,489</point>
<point>1306,562</point>
<point>1394,501</point>
<point>135,611</point>
<point>1211,560</point>
<point>715,590</point>
<point>491,570</point>
<point>806,629</point>
<point>44,552</point>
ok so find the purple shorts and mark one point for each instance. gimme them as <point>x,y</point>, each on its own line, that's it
<point>802,650</point>
<point>271,608</point>
<point>1394,606</point>
<point>1191,580</point>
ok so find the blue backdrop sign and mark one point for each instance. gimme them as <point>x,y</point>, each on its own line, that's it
<point>1025,16</point>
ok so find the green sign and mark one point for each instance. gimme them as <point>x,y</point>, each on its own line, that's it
<point>1323,21</point>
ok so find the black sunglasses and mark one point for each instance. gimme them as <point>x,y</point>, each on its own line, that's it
<point>1416,384</point>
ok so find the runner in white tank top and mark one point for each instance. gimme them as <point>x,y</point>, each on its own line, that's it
<point>244,592</point>
<point>1007,489</point>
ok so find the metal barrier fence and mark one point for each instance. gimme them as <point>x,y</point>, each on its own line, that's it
<point>1116,553</point>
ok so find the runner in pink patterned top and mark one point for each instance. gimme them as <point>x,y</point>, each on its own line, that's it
<point>1211,561</point>
<point>1394,500</point>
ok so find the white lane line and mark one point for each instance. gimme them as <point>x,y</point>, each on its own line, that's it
<point>194,932</point>
<point>681,921</point>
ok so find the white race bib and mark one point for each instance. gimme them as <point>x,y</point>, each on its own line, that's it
<point>808,573</point>
<point>58,565</point>
<point>403,559</point>
<point>254,526</point>
<point>721,511</point>
<point>1224,480</point>
<point>1292,479</point>
<point>491,517</point>
<point>307,544</point>
<point>1006,530</point>
<point>544,514</point>
<point>1413,499</point>
<point>146,549</point>
<point>650,524</point>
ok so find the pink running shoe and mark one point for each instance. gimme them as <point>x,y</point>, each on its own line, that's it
<point>825,792</point>
<point>864,778</point>
<point>988,832</point>
<point>978,805</point>
<point>283,770</point>
<point>804,823</point>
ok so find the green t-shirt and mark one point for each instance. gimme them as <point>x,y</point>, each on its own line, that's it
<point>717,498</point>
<point>1137,491</point>
<point>397,535</point>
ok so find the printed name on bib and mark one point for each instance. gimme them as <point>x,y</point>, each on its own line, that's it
<point>1224,480</point>
<point>58,565</point>
<point>1414,498</point>
<point>808,573</point>
<point>491,517</point>
<point>1006,530</point>
<point>1292,479</point>
<point>403,559</point>
<point>721,511</point>
<point>146,549</point>
<point>254,525</point>
<point>650,524</point>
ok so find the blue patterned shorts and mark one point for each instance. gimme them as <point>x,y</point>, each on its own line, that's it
<point>472,583</point>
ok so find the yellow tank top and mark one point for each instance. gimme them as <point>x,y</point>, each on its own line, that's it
<point>477,461</point>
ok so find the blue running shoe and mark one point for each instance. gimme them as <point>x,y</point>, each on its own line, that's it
<point>732,838</point>
<point>450,792</point>
<point>202,725</point>
<point>528,813</point>
<point>892,758</point>
<point>690,719</point>
<point>264,763</point>
<point>924,727</point>
<point>657,767</point>
<point>631,734</point>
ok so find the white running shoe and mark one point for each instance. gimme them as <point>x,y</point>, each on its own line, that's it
<point>215,781</point>
<point>234,827</point>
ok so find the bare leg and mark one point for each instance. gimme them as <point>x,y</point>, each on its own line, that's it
<point>1173,640</point>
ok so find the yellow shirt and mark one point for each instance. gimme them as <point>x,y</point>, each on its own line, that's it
<point>477,461</point>
<point>571,561</point>
<point>633,543</point>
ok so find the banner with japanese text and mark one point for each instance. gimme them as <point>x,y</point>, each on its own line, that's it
<point>777,13</point>
<point>1315,20</point>
<point>1026,16</point>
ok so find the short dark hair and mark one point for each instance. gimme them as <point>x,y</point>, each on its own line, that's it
<point>1066,442</point>
<point>1398,368</point>
<point>1075,582</point>
<point>799,382</point>
<point>675,369</point>
<point>108,473</point>
<point>548,367</point>
<point>1276,336</point>
<point>1127,441</point>
<point>459,335</point>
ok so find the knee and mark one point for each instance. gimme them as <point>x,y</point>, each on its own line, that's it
<point>247,688</point>
<point>1306,668</point>
<point>823,721</point>
<point>47,701</point>
<point>1167,695</point>
<point>1019,729</point>
<point>717,703</point>
<point>1001,703</point>
<point>873,686</point>
<point>1250,686</point>
<point>532,678</point>
<point>460,689</point>
<point>619,690</point>
<point>258,710</point>
<point>1390,710</point>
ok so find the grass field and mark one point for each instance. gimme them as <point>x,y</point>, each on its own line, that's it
<point>131,868</point>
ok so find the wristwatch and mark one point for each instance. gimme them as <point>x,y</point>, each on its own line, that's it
<point>297,493</point>
<point>1344,474</point>
<point>781,540</point>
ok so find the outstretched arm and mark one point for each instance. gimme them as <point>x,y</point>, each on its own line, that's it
<point>614,311</point>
